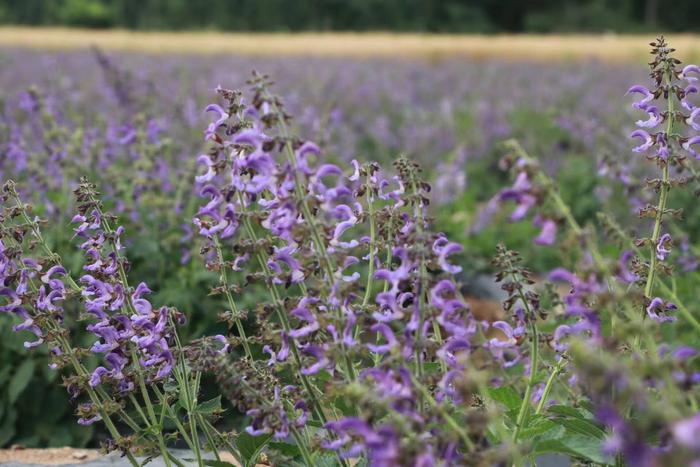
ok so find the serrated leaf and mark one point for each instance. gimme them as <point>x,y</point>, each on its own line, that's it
<point>507,396</point>
<point>20,380</point>
<point>211,406</point>
<point>251,446</point>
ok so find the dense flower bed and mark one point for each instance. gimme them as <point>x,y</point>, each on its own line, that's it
<point>344,337</point>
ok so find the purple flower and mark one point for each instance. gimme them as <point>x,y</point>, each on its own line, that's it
<point>657,309</point>
<point>210,174</point>
<point>444,248</point>
<point>322,360</point>
<point>653,120</point>
<point>687,70</point>
<point>388,334</point>
<point>686,432</point>
<point>221,120</point>
<point>647,96</point>
<point>548,235</point>
<point>347,220</point>
<point>520,193</point>
<point>505,349</point>
<point>284,256</point>
<point>688,146</point>
<point>647,139</point>
<point>303,313</point>
<point>623,272</point>
<point>663,247</point>
<point>687,92</point>
<point>691,119</point>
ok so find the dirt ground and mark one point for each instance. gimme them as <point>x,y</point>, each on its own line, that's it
<point>65,455</point>
<point>51,456</point>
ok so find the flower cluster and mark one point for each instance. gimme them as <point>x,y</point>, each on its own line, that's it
<point>126,326</point>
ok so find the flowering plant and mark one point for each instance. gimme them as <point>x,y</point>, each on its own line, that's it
<point>364,350</point>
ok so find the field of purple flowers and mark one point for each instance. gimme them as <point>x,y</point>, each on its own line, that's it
<point>285,270</point>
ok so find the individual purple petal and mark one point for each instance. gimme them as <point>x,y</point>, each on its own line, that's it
<point>647,96</point>
<point>648,141</point>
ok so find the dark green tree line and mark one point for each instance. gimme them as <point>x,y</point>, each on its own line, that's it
<point>482,16</point>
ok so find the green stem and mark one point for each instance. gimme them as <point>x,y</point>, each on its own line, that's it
<point>176,420</point>
<point>223,278</point>
<point>210,439</point>
<point>280,312</point>
<point>453,424</point>
<point>525,405</point>
<point>68,350</point>
<point>550,383</point>
<point>308,460</point>
<point>300,189</point>
<point>423,273</point>
<point>372,242</point>
<point>663,197</point>
<point>224,440</point>
<point>682,309</point>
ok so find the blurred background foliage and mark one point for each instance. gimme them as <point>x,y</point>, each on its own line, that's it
<point>465,16</point>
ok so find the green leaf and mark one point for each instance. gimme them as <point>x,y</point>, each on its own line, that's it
<point>573,420</point>
<point>587,448</point>
<point>211,406</point>
<point>565,410</point>
<point>537,425</point>
<point>573,445</point>
<point>326,460</point>
<point>341,404</point>
<point>507,396</point>
<point>289,450</point>
<point>7,429</point>
<point>20,380</point>
<point>581,426</point>
<point>250,447</point>
<point>215,463</point>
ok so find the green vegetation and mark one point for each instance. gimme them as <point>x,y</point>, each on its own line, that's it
<point>473,16</point>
